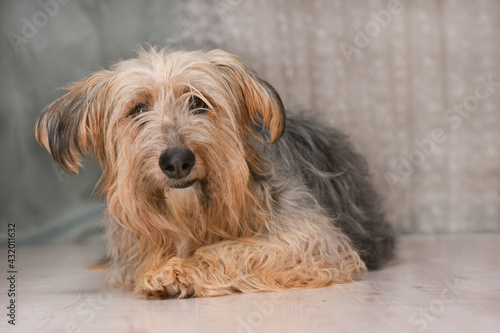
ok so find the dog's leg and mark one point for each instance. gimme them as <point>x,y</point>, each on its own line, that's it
<point>306,258</point>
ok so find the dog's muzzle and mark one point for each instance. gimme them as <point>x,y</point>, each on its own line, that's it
<point>177,163</point>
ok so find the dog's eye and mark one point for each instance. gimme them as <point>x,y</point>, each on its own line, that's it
<point>197,105</point>
<point>138,110</point>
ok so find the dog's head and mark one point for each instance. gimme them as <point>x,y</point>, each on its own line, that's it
<point>165,122</point>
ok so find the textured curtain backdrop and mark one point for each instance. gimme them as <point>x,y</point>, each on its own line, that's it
<point>416,84</point>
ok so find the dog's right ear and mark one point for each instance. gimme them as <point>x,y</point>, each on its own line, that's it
<point>75,124</point>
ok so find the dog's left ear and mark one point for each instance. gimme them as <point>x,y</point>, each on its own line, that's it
<point>261,104</point>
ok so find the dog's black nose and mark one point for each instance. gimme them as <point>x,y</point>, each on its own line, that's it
<point>177,163</point>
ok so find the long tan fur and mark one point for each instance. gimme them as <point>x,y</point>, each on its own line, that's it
<point>240,227</point>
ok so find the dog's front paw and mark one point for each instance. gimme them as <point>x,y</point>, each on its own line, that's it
<point>167,281</point>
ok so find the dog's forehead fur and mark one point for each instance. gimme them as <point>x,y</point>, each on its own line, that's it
<point>179,71</point>
<point>165,65</point>
<point>162,78</point>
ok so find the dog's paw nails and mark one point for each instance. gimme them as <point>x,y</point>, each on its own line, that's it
<point>158,294</point>
<point>164,283</point>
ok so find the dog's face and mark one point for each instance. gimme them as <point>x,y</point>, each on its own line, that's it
<point>165,126</point>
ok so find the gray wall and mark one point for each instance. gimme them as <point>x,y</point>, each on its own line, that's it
<point>388,76</point>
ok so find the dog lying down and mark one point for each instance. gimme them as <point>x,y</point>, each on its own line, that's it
<point>211,189</point>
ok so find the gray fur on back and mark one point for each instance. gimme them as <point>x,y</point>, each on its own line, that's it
<point>339,179</point>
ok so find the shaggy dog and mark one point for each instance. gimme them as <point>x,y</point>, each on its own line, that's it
<point>211,190</point>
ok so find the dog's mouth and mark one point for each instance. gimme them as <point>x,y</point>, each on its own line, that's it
<point>183,184</point>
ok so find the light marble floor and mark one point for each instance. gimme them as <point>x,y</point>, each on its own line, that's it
<point>438,284</point>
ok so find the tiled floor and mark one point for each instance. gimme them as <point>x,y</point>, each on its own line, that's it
<point>438,284</point>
